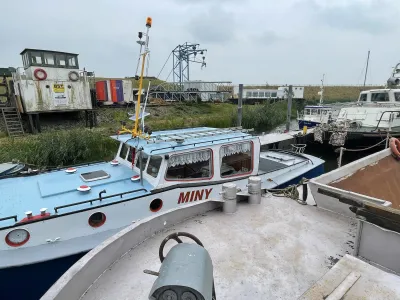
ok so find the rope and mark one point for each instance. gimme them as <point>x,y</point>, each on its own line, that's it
<point>356,150</point>
<point>290,191</point>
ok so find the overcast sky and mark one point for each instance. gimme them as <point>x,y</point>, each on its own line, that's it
<point>248,41</point>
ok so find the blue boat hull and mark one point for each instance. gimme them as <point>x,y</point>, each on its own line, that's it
<point>309,124</point>
<point>30,282</point>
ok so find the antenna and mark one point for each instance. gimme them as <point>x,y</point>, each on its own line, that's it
<point>321,92</point>
<point>366,69</point>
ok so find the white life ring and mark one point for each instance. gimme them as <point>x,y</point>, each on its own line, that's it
<point>73,76</point>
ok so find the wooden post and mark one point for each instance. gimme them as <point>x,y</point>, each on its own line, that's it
<point>289,107</point>
<point>340,157</point>
<point>240,105</point>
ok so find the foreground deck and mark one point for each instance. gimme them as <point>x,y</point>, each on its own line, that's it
<point>275,250</point>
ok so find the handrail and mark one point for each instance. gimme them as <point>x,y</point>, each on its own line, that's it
<point>194,144</point>
<point>97,199</point>
<point>10,217</point>
<point>380,119</point>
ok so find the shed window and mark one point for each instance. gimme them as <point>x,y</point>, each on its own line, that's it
<point>190,165</point>
<point>36,58</point>
<point>60,60</point>
<point>49,59</point>
<point>236,159</point>
<point>379,97</point>
<point>154,166</point>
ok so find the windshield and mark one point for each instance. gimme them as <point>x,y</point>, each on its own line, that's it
<point>379,97</point>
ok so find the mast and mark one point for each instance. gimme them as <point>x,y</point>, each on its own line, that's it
<point>366,70</point>
<point>321,92</point>
<point>136,132</point>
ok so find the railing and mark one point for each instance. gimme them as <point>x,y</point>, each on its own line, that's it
<point>8,218</point>
<point>97,199</point>
<point>380,119</point>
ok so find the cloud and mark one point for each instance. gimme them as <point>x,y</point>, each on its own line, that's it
<point>267,38</point>
<point>213,26</point>
<point>373,17</point>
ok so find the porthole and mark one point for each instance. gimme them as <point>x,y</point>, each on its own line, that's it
<point>156,205</point>
<point>17,237</point>
<point>97,219</point>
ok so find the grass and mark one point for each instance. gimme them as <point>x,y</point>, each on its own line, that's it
<point>61,148</point>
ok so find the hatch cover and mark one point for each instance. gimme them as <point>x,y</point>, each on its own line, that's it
<point>95,175</point>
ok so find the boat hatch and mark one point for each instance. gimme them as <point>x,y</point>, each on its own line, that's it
<point>95,175</point>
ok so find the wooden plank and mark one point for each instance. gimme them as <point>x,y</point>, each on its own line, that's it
<point>378,220</point>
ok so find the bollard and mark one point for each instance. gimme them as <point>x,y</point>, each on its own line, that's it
<point>229,196</point>
<point>254,188</point>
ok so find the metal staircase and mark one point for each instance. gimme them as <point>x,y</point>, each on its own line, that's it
<point>12,121</point>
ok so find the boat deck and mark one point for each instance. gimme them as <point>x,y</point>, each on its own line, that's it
<point>379,180</point>
<point>275,250</point>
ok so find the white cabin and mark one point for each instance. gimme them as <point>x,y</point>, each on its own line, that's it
<point>50,81</point>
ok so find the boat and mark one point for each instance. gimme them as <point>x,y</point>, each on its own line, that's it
<point>59,215</point>
<point>314,115</point>
<point>374,116</point>
<point>227,247</point>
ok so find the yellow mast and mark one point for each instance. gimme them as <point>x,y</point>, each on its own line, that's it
<point>136,132</point>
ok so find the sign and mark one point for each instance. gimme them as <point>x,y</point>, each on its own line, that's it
<point>191,196</point>
<point>59,94</point>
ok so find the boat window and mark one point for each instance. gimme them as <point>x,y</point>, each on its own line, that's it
<point>307,111</point>
<point>132,154</point>
<point>363,97</point>
<point>379,97</point>
<point>397,96</point>
<point>36,58</point>
<point>60,60</point>
<point>145,157</point>
<point>273,95</point>
<point>314,111</point>
<point>255,94</point>
<point>236,159</point>
<point>324,112</point>
<point>71,61</point>
<point>267,94</point>
<point>49,59</point>
<point>154,166</point>
<point>124,151</point>
<point>248,94</point>
<point>261,94</point>
<point>190,165</point>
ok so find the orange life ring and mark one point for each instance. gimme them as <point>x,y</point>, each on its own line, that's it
<point>395,146</point>
<point>40,74</point>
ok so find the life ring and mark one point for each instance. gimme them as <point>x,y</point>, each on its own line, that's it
<point>395,146</point>
<point>73,76</point>
<point>40,74</point>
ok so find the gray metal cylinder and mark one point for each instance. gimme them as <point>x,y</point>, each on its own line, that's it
<point>254,189</point>
<point>229,196</point>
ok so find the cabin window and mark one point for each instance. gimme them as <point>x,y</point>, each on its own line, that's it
<point>248,94</point>
<point>60,60</point>
<point>124,151</point>
<point>314,111</point>
<point>379,97</point>
<point>273,95</point>
<point>363,97</point>
<point>154,166</point>
<point>255,94</point>
<point>144,157</point>
<point>71,61</point>
<point>397,96</point>
<point>236,159</point>
<point>261,94</point>
<point>36,58</point>
<point>307,111</point>
<point>190,165</point>
<point>132,154</point>
<point>324,112</point>
<point>49,59</point>
<point>267,94</point>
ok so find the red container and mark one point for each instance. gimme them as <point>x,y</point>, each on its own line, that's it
<point>117,91</point>
<point>101,91</point>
